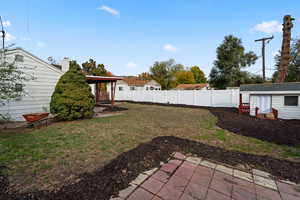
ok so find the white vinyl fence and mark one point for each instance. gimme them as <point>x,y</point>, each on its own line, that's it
<point>209,98</point>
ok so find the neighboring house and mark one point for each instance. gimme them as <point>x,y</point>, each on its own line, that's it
<point>196,86</point>
<point>38,92</point>
<point>284,97</point>
<point>132,84</point>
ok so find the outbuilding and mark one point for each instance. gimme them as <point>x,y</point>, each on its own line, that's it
<point>280,99</point>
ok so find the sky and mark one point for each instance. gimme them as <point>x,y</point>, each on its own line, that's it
<point>128,36</point>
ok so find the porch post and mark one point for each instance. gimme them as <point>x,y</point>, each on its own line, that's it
<point>112,93</point>
<point>97,92</point>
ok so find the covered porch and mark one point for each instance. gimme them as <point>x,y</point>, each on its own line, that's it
<point>103,97</point>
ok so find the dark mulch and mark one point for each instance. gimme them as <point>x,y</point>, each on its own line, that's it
<point>116,175</point>
<point>114,109</point>
<point>283,132</point>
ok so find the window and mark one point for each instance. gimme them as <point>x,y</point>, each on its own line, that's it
<point>147,88</point>
<point>120,88</point>
<point>132,88</point>
<point>19,87</point>
<point>19,58</point>
<point>291,100</point>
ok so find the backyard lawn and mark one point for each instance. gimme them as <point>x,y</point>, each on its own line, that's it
<point>49,157</point>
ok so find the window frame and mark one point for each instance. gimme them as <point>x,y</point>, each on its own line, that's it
<point>19,58</point>
<point>284,100</point>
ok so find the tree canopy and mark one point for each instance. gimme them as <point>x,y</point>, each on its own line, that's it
<point>169,74</point>
<point>163,72</point>
<point>199,75</point>
<point>231,59</point>
<point>91,68</point>
<point>145,76</point>
<point>184,77</point>
<point>293,73</point>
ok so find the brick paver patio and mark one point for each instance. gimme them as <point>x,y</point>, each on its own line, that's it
<point>190,178</point>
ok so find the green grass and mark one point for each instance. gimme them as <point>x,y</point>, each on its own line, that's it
<point>220,134</point>
<point>52,156</point>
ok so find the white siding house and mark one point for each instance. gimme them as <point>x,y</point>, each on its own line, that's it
<point>38,91</point>
<point>284,97</point>
<point>131,84</point>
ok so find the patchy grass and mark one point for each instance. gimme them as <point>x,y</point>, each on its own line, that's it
<point>49,157</point>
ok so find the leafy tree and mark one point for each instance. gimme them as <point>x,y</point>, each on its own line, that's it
<point>91,68</point>
<point>185,77</point>
<point>231,58</point>
<point>293,73</point>
<point>72,97</point>
<point>144,76</point>
<point>198,74</point>
<point>12,81</point>
<point>164,73</point>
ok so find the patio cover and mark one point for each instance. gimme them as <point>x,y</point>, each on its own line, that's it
<point>98,80</point>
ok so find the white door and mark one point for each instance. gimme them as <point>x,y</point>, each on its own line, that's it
<point>264,103</point>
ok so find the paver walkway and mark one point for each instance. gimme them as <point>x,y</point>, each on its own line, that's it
<point>191,178</point>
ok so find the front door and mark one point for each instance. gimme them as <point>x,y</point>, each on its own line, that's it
<point>264,104</point>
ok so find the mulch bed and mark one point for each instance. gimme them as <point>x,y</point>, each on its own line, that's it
<point>116,175</point>
<point>283,132</point>
<point>114,109</point>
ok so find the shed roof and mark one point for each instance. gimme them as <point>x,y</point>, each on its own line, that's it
<point>292,86</point>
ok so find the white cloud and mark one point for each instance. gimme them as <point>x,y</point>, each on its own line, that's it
<point>131,64</point>
<point>41,44</point>
<point>170,48</point>
<point>8,37</point>
<point>109,10</point>
<point>6,23</point>
<point>268,27</point>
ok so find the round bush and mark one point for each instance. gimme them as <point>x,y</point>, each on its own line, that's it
<point>72,97</point>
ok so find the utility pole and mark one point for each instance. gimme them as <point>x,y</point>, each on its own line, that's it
<point>264,40</point>
<point>3,40</point>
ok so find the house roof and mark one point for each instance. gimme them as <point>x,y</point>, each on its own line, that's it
<point>191,86</point>
<point>13,50</point>
<point>292,86</point>
<point>135,82</point>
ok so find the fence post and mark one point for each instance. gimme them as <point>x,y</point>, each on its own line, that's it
<point>211,98</point>
<point>194,97</point>
<point>165,96</point>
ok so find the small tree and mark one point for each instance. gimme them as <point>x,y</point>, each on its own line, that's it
<point>12,81</point>
<point>72,97</point>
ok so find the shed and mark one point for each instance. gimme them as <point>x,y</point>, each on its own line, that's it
<point>262,98</point>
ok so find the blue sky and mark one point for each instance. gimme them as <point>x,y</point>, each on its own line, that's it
<point>129,35</point>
